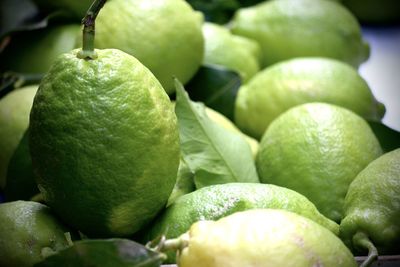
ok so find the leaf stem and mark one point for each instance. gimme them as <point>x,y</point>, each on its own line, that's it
<point>88,35</point>
<point>361,240</point>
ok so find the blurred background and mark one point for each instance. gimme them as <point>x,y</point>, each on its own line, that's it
<point>382,70</point>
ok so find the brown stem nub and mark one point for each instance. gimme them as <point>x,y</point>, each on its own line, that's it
<point>88,23</point>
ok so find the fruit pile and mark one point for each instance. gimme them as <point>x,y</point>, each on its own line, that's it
<point>193,133</point>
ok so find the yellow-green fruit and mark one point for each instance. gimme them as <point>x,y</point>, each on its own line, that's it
<point>29,232</point>
<point>227,124</point>
<point>293,82</point>
<point>372,206</point>
<point>35,51</point>
<point>287,29</point>
<point>165,35</point>
<point>14,119</point>
<point>217,201</point>
<point>235,53</point>
<point>104,142</point>
<point>262,238</point>
<point>317,150</point>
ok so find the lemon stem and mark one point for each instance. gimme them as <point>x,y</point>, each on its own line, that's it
<point>362,241</point>
<point>88,23</point>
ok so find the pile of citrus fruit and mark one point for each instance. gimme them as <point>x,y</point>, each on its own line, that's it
<point>106,159</point>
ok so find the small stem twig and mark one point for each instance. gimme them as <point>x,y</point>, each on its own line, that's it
<point>88,35</point>
<point>361,240</point>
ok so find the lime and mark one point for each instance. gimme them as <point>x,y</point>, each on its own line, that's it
<point>262,238</point>
<point>29,232</point>
<point>165,35</point>
<point>303,28</point>
<point>35,51</point>
<point>292,82</point>
<point>372,205</point>
<point>317,150</point>
<point>14,119</point>
<point>104,142</point>
<point>235,53</point>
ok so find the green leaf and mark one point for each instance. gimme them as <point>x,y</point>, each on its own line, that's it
<point>104,253</point>
<point>184,182</point>
<point>216,87</point>
<point>388,137</point>
<point>214,154</point>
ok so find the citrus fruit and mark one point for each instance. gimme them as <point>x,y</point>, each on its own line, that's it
<point>14,120</point>
<point>165,35</point>
<point>292,82</point>
<point>227,124</point>
<point>217,201</point>
<point>104,142</point>
<point>303,28</point>
<point>222,48</point>
<point>317,149</point>
<point>35,51</point>
<point>27,230</point>
<point>372,206</point>
<point>262,238</point>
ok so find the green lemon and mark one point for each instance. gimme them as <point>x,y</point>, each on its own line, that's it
<point>317,150</point>
<point>104,142</point>
<point>217,201</point>
<point>14,119</point>
<point>165,35</point>
<point>29,232</point>
<point>372,206</point>
<point>35,51</point>
<point>292,82</point>
<point>235,53</point>
<point>262,238</point>
<point>227,124</point>
<point>287,29</point>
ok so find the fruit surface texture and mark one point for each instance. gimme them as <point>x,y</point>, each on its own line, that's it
<point>165,35</point>
<point>297,81</point>
<point>372,205</point>
<point>263,238</point>
<point>317,149</point>
<point>104,142</point>
<point>27,229</point>
<point>217,201</point>
<point>287,29</point>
